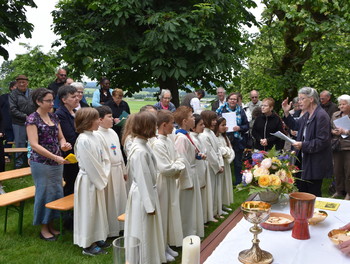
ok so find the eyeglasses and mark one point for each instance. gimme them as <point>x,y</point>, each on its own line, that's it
<point>167,98</point>
<point>49,101</point>
<point>62,75</point>
<point>80,92</point>
<point>253,97</point>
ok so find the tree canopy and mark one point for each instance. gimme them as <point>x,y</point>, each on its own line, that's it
<point>40,68</point>
<point>13,22</point>
<point>154,42</point>
<point>301,43</point>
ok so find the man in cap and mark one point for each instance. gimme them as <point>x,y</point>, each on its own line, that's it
<point>21,105</point>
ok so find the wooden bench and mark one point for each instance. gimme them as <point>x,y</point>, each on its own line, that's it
<point>11,200</point>
<point>63,204</point>
<point>15,150</point>
<point>13,174</point>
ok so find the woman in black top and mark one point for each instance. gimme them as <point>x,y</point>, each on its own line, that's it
<point>265,124</point>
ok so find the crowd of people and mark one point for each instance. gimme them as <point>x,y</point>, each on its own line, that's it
<point>168,169</point>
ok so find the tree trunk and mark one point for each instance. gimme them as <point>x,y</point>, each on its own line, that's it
<point>171,84</point>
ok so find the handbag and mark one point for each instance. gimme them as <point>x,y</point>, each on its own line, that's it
<point>335,144</point>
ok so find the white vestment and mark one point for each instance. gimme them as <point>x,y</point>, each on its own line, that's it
<point>215,162</point>
<point>142,202</point>
<point>188,184</point>
<point>90,214</point>
<point>228,155</point>
<point>127,147</point>
<point>169,167</point>
<point>204,180</point>
<point>115,191</point>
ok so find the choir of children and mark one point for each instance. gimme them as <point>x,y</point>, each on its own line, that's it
<point>178,182</point>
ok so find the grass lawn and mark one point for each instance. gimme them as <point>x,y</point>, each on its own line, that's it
<point>135,105</point>
<point>28,248</point>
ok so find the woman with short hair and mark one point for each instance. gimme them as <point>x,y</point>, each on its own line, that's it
<point>313,143</point>
<point>164,101</point>
<point>341,154</point>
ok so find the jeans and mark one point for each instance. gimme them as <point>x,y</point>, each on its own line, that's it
<point>20,135</point>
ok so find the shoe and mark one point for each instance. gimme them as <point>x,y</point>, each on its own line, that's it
<point>2,191</point>
<point>171,252</point>
<point>7,159</point>
<point>337,195</point>
<point>224,213</point>
<point>226,208</point>
<point>53,238</point>
<point>103,244</point>
<point>94,251</point>
<point>169,258</point>
<point>347,197</point>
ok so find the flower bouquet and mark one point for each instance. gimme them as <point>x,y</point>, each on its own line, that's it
<point>268,171</point>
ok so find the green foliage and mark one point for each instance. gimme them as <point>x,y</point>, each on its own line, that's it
<point>36,65</point>
<point>302,43</point>
<point>13,22</point>
<point>146,43</point>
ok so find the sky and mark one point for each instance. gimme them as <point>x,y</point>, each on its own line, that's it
<point>42,35</point>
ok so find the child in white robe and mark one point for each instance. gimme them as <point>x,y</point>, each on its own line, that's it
<point>214,158</point>
<point>115,191</point>
<point>228,155</point>
<point>169,166</point>
<point>203,171</point>
<point>143,216</point>
<point>188,184</point>
<point>90,214</point>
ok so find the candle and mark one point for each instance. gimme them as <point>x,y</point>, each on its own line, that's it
<point>191,246</point>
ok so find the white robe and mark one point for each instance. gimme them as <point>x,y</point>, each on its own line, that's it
<point>90,214</point>
<point>204,180</point>
<point>169,167</point>
<point>228,155</point>
<point>143,200</point>
<point>115,191</point>
<point>190,196</point>
<point>215,162</point>
<point>127,147</point>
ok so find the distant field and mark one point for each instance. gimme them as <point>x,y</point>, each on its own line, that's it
<point>136,105</point>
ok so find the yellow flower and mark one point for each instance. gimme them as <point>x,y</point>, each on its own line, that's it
<point>260,171</point>
<point>264,181</point>
<point>275,180</point>
<point>276,161</point>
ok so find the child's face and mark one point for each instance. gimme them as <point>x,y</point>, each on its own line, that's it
<point>95,124</point>
<point>222,127</point>
<point>213,123</point>
<point>190,121</point>
<point>199,127</point>
<point>168,127</point>
<point>106,121</point>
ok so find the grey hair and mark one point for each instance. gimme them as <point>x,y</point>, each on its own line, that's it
<point>295,100</point>
<point>77,85</point>
<point>163,92</point>
<point>311,93</point>
<point>217,89</point>
<point>344,97</point>
<point>327,93</point>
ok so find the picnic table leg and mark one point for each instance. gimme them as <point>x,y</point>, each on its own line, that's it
<point>20,217</point>
<point>6,213</point>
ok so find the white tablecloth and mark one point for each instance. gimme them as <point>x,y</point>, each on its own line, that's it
<point>285,249</point>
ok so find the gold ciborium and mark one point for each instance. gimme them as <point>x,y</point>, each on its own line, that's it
<point>255,213</point>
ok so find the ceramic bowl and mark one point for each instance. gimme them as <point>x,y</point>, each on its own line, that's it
<point>318,217</point>
<point>278,222</point>
<point>338,236</point>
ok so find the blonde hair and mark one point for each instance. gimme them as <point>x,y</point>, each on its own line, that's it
<point>126,131</point>
<point>181,113</point>
<point>118,92</point>
<point>84,118</point>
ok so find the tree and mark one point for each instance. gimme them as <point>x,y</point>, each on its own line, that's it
<point>39,67</point>
<point>302,43</point>
<point>13,22</point>
<point>154,42</point>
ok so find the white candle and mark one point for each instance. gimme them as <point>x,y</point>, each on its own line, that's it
<point>191,247</point>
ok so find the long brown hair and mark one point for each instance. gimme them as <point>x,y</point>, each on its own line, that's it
<point>216,130</point>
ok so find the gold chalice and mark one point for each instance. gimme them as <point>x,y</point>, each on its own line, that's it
<point>255,213</point>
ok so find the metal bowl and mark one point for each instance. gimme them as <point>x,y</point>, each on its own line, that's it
<point>318,217</point>
<point>338,236</point>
